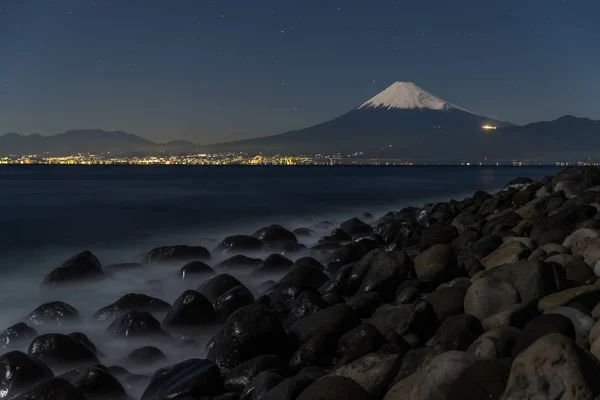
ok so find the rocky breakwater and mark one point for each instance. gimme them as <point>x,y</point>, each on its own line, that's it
<point>490,297</point>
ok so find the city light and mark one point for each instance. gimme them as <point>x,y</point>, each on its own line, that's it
<point>488,127</point>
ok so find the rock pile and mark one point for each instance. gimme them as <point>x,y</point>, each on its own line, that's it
<point>491,297</point>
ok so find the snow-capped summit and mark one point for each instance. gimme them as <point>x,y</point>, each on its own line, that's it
<point>407,95</point>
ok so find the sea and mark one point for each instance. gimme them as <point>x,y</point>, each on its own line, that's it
<point>48,213</point>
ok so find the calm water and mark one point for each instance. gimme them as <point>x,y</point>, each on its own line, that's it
<point>49,213</point>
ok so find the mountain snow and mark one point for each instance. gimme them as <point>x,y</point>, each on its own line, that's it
<point>407,95</point>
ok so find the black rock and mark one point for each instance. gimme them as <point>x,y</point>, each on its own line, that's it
<point>334,388</point>
<point>447,301</point>
<point>146,356</point>
<point>231,301</point>
<point>486,245</point>
<point>275,263</point>
<point>280,296</point>
<point>217,285</point>
<point>178,253</point>
<point>483,379</point>
<point>195,269</point>
<point>123,267</point>
<point>408,295</point>
<point>239,244</point>
<point>17,335</point>
<point>365,303</point>
<point>190,309</point>
<point>261,384</point>
<point>274,233</point>
<point>311,261</point>
<point>239,377</point>
<point>55,313</point>
<point>238,261</point>
<point>85,340</point>
<point>136,324</point>
<point>249,332</point>
<point>358,342</point>
<point>541,326</point>
<point>438,234</point>
<point>456,333</point>
<point>82,266</point>
<point>52,389</point>
<point>303,232</point>
<point>307,276</point>
<point>308,302</point>
<point>194,378</point>
<point>96,383</point>
<point>289,388</point>
<point>131,302</point>
<point>58,351</point>
<point>284,247</point>
<point>355,227</point>
<point>349,253</point>
<point>384,272</point>
<point>18,372</point>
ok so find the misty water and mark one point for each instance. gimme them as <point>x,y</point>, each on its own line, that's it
<point>49,213</point>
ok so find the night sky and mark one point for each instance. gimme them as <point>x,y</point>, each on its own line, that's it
<point>212,71</point>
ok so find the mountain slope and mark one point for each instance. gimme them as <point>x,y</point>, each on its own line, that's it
<point>401,121</point>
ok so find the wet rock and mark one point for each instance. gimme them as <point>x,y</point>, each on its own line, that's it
<point>147,355</point>
<point>553,364</point>
<point>488,296</point>
<point>54,313</point>
<point>365,303</point>
<point>447,301</point>
<point>238,261</point>
<point>249,332</point>
<point>509,253</point>
<point>495,344</point>
<point>358,342</point>
<point>438,234</point>
<point>289,388</point>
<point>136,324</point>
<point>582,322</point>
<point>515,316</point>
<point>52,389</point>
<point>17,335</point>
<point>457,332</point>
<point>131,302</point>
<point>418,318</point>
<point>239,244</point>
<point>588,295</point>
<point>217,285</point>
<point>542,326</point>
<point>96,383</point>
<point>284,247</point>
<point>355,227</point>
<point>258,387</point>
<point>273,264</point>
<point>408,295</point>
<point>437,263</point>
<point>465,221</point>
<point>232,300</point>
<point>467,262</point>
<point>334,388</point>
<point>484,379</point>
<point>60,351</point>
<point>274,233</point>
<point>576,269</point>
<point>307,276</point>
<point>349,253</point>
<point>82,266</point>
<point>303,232</point>
<point>307,303</point>
<point>195,269</point>
<point>241,376</point>
<point>384,272</point>
<point>373,372</point>
<point>177,254</point>
<point>194,378</point>
<point>18,372</point>
<point>533,279</point>
<point>85,340</point>
<point>467,239</point>
<point>310,261</point>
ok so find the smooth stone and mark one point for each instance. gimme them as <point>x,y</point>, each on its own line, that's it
<point>177,254</point>
<point>516,316</point>
<point>358,342</point>
<point>96,383</point>
<point>486,245</point>
<point>19,372</point>
<point>488,296</point>
<point>541,326</point>
<point>594,332</point>
<point>52,389</point>
<point>495,344</point>
<point>576,269</point>
<point>506,254</point>
<point>136,324</point>
<point>588,295</point>
<point>531,245</point>
<point>190,309</point>
<point>554,248</point>
<point>456,333</point>
<point>81,266</point>
<point>195,269</point>
<point>447,301</point>
<point>582,323</point>
<point>16,335</point>
<point>60,351</point>
<point>241,376</point>
<point>334,388</point>
<point>274,233</point>
<point>147,355</point>
<point>237,244</point>
<point>131,302</point>
<point>577,241</point>
<point>437,263</point>
<point>484,379</point>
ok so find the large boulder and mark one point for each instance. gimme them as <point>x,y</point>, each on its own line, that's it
<point>249,332</point>
<point>236,379</point>
<point>18,372</point>
<point>136,324</point>
<point>417,318</point>
<point>541,326</point>
<point>437,263</point>
<point>385,271</point>
<point>190,309</point>
<point>334,388</point>
<point>274,233</point>
<point>355,227</point>
<point>553,367</point>
<point>508,253</point>
<point>438,234</point>
<point>588,295</point>
<point>59,351</point>
<point>55,313</point>
<point>218,285</point>
<point>497,343</point>
<point>307,303</point>
<point>581,321</point>
<point>488,296</point>
<point>193,378</point>
<point>447,301</point>
<point>177,254</point>
<point>52,389</point>
<point>487,244</point>
<point>239,244</point>
<point>484,379</point>
<point>232,300</point>
<point>16,335</point>
<point>195,269</point>
<point>516,316</point>
<point>82,266</point>
<point>365,303</point>
<point>587,176</point>
<point>465,221</point>
<point>577,271</point>
<point>373,372</point>
<point>96,383</point>
<point>239,262</point>
<point>358,342</point>
<point>146,356</point>
<point>456,333</point>
<point>273,264</point>
<point>131,302</point>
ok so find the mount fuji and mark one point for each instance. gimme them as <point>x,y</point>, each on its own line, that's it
<point>403,121</point>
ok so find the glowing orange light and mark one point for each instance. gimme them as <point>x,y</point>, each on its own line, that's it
<point>488,127</point>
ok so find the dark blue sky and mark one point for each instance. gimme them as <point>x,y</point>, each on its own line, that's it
<point>213,71</point>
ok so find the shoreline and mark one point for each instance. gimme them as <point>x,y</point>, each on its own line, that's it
<point>420,301</point>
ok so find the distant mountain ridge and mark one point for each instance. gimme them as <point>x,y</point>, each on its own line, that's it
<point>402,121</point>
